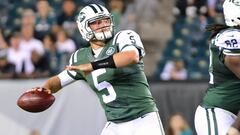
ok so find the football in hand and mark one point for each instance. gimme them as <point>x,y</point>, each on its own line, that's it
<point>36,100</point>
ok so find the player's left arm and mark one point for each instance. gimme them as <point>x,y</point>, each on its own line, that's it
<point>130,52</point>
<point>130,48</point>
<point>126,58</point>
<point>118,60</point>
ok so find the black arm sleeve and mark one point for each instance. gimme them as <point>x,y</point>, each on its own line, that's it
<point>104,63</point>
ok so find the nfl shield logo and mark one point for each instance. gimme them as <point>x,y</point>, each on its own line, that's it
<point>110,51</point>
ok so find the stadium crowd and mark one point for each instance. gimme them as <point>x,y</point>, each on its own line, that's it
<point>37,37</point>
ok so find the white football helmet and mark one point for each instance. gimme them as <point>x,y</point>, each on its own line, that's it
<point>92,13</point>
<point>231,10</point>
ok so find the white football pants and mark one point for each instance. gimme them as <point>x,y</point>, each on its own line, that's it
<point>149,124</point>
<point>213,121</point>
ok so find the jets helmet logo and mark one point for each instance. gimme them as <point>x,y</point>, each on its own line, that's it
<point>81,16</point>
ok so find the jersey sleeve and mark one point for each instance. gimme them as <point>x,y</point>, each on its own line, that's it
<point>128,39</point>
<point>65,79</point>
<point>229,42</point>
<point>76,75</point>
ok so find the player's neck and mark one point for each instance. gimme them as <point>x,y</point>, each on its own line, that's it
<point>97,44</point>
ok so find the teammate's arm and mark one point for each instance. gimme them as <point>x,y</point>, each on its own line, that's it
<point>233,63</point>
<point>229,44</point>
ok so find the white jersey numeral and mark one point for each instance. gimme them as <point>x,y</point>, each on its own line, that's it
<point>102,85</point>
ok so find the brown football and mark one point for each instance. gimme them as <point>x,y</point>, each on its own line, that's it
<point>35,101</point>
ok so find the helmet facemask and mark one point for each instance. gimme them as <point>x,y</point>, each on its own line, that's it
<point>103,34</point>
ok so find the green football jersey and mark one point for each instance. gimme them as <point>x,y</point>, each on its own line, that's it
<point>123,92</point>
<point>224,86</point>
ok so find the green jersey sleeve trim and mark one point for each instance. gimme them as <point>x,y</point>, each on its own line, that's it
<point>77,76</point>
<point>68,72</point>
<point>71,59</point>
<point>74,74</point>
<point>115,39</point>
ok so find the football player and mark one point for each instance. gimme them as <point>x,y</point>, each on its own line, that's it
<point>221,101</point>
<point>112,65</point>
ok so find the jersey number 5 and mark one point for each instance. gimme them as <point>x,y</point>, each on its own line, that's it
<point>104,85</point>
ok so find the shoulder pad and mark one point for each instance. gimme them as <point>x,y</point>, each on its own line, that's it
<point>126,37</point>
<point>228,39</point>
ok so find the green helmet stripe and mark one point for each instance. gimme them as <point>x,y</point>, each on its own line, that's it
<point>93,8</point>
<point>100,7</point>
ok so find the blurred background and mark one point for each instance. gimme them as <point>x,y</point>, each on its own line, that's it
<point>37,38</point>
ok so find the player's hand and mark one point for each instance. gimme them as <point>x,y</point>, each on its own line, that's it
<point>83,67</point>
<point>40,89</point>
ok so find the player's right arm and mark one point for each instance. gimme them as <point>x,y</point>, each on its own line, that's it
<point>64,78</point>
<point>53,84</point>
<point>57,82</point>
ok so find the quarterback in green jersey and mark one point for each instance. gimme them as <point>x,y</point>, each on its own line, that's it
<point>221,102</point>
<point>112,66</point>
